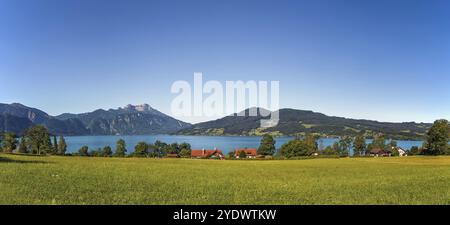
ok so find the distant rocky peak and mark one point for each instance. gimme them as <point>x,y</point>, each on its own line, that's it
<point>139,108</point>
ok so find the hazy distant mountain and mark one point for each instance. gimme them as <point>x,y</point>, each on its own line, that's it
<point>299,122</point>
<point>14,124</point>
<point>140,119</point>
<point>19,110</point>
<point>17,118</point>
<point>132,119</point>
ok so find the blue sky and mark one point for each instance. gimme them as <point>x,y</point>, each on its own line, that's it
<point>382,60</point>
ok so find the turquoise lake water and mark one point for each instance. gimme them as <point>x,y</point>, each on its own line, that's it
<point>224,143</point>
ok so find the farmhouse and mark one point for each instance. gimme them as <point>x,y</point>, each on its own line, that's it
<point>401,152</point>
<point>250,153</point>
<point>207,153</point>
<point>379,152</point>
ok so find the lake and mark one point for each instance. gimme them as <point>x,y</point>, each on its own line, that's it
<point>224,143</point>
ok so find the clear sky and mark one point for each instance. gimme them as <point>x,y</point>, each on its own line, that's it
<point>382,60</point>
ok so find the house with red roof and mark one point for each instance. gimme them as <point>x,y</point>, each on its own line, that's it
<point>249,152</point>
<point>207,153</point>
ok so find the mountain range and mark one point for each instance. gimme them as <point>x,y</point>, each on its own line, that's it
<point>129,120</point>
<point>295,122</point>
<point>143,119</point>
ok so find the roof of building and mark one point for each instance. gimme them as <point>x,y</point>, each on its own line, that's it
<point>248,151</point>
<point>205,152</point>
<point>379,151</point>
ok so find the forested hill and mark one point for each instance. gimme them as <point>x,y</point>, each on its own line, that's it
<point>300,122</point>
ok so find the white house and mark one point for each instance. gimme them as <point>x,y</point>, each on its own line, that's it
<point>401,152</point>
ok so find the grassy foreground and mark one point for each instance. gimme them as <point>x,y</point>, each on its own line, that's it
<point>78,180</point>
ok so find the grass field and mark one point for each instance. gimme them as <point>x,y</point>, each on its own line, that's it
<point>78,180</point>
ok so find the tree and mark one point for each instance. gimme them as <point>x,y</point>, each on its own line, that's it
<point>392,146</point>
<point>311,141</point>
<point>39,139</point>
<point>9,142</point>
<point>107,151</point>
<point>23,148</point>
<point>62,146</point>
<point>359,145</point>
<point>185,153</point>
<point>378,143</point>
<point>153,151</point>
<point>329,151</point>
<point>414,150</point>
<point>141,149</point>
<point>96,152</point>
<point>393,143</point>
<point>185,145</point>
<point>173,148</point>
<point>84,151</point>
<point>121,148</point>
<point>299,147</point>
<point>267,146</point>
<point>160,147</point>
<point>55,145</point>
<point>438,138</point>
<point>345,144</point>
<point>242,155</point>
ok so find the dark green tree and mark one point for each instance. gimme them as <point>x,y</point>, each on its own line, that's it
<point>392,146</point>
<point>39,139</point>
<point>141,149</point>
<point>96,152</point>
<point>23,148</point>
<point>378,143</point>
<point>84,151</point>
<point>299,147</point>
<point>185,153</point>
<point>329,151</point>
<point>107,151</point>
<point>55,145</point>
<point>173,148</point>
<point>230,154</point>
<point>359,145</point>
<point>121,148</point>
<point>438,138</point>
<point>242,155</point>
<point>9,143</point>
<point>267,146</point>
<point>160,147</point>
<point>414,150</point>
<point>185,150</point>
<point>62,146</point>
<point>345,144</point>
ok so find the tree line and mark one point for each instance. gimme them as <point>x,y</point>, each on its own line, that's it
<point>436,143</point>
<point>142,149</point>
<point>35,140</point>
<point>38,140</point>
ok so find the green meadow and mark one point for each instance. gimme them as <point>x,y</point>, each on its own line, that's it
<point>89,180</point>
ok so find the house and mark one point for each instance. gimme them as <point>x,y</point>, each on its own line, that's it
<point>207,153</point>
<point>401,152</point>
<point>377,152</point>
<point>249,152</point>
